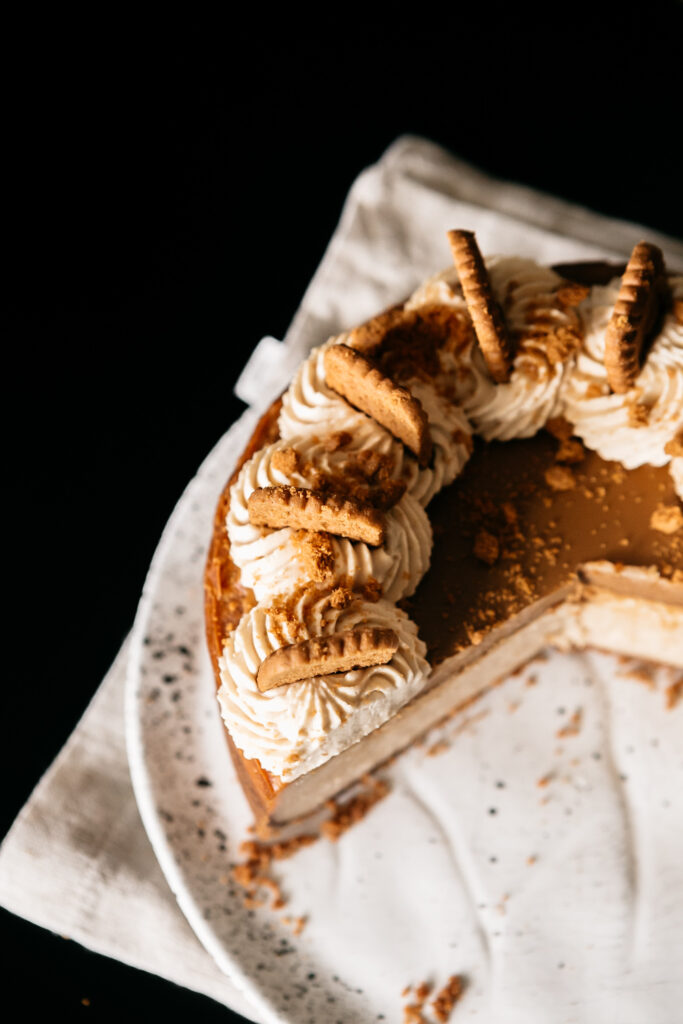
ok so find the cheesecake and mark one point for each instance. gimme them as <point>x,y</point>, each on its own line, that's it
<point>489,468</point>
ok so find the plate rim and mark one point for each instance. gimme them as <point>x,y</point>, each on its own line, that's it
<point>135,747</point>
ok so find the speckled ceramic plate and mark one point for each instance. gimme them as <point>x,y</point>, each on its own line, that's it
<point>533,845</point>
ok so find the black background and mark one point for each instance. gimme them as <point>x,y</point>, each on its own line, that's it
<point>170,192</point>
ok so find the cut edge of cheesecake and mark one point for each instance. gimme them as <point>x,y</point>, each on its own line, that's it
<point>586,614</point>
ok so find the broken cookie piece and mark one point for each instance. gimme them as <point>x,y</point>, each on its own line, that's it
<point>324,655</point>
<point>359,381</point>
<point>305,509</point>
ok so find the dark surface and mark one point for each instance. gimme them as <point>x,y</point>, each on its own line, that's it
<point>169,197</point>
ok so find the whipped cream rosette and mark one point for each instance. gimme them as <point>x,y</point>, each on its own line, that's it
<point>291,729</point>
<point>635,427</point>
<point>310,409</point>
<point>275,561</point>
<point>451,436</point>
<point>442,289</point>
<point>546,331</point>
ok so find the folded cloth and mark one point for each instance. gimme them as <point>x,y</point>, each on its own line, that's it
<point>77,859</point>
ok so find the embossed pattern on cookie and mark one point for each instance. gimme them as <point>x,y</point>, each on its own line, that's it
<point>359,381</point>
<point>635,314</point>
<point>304,509</point>
<point>487,318</point>
<point>325,655</point>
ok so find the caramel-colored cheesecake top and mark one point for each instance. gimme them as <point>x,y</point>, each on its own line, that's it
<point>517,525</point>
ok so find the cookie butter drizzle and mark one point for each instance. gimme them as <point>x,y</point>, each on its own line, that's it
<point>309,584</point>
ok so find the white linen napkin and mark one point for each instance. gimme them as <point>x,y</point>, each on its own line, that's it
<point>77,859</point>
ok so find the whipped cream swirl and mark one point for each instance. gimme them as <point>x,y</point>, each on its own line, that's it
<point>442,289</point>
<point>276,561</point>
<point>294,728</point>
<point>546,333</point>
<point>310,409</point>
<point>632,428</point>
<point>545,329</point>
<point>451,436</point>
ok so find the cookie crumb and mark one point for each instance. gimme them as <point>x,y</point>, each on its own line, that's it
<point>572,294</point>
<point>447,997</point>
<point>673,694</point>
<point>371,590</point>
<point>570,451</point>
<point>317,554</point>
<point>343,816</point>
<point>666,519</point>
<point>297,924</point>
<point>253,874</point>
<point>640,671</point>
<point>285,460</point>
<point>412,1013</point>
<point>638,414</point>
<point>560,428</point>
<point>674,447</point>
<point>510,513</point>
<point>338,440</point>
<point>559,478</point>
<point>486,547</point>
<point>340,597</point>
<point>573,726</point>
